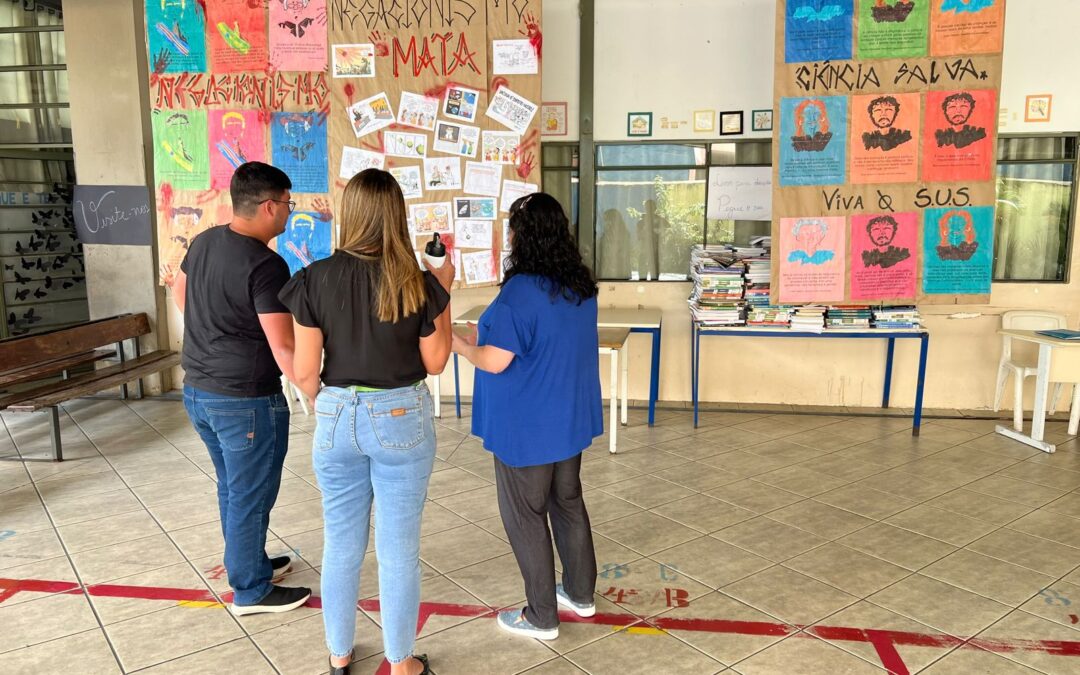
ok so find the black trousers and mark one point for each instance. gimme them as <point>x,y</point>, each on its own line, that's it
<point>527,497</point>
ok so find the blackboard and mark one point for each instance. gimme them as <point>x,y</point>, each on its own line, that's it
<point>113,214</point>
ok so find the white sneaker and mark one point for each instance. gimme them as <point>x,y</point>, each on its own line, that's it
<point>581,609</point>
<point>514,621</point>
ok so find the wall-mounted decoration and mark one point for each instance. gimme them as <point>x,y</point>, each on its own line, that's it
<point>705,120</point>
<point>1037,108</point>
<point>731,123</point>
<point>761,120</point>
<point>639,124</point>
<point>553,119</point>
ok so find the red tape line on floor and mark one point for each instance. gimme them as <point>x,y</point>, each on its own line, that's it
<point>884,642</point>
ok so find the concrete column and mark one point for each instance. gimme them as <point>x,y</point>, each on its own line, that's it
<point>111,132</point>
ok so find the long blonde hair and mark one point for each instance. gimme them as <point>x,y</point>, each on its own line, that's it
<point>373,222</point>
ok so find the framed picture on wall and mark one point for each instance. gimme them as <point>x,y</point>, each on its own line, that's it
<point>1037,108</point>
<point>731,123</point>
<point>553,119</point>
<point>704,120</point>
<point>761,120</point>
<point>639,124</point>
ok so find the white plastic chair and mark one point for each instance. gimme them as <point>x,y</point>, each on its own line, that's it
<point>293,393</point>
<point>613,342</point>
<point>1021,360</point>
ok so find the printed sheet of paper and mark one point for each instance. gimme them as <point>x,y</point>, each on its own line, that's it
<point>236,137</point>
<point>511,110</point>
<point>477,208</point>
<point>514,190</point>
<point>483,179</point>
<point>404,144</point>
<point>410,180</point>
<point>176,37</point>
<point>371,114</point>
<point>428,218</point>
<point>472,233</point>
<point>883,249</point>
<point>417,110</point>
<point>456,139</point>
<point>298,35</point>
<point>354,60</point>
<point>501,147</point>
<point>237,36</point>
<point>967,27</point>
<point>300,149</point>
<point>355,160</point>
<point>893,29</point>
<point>460,103</point>
<point>514,57</point>
<point>812,259</point>
<point>956,140</point>
<point>958,250</point>
<point>306,238</point>
<point>813,140</point>
<point>885,137</point>
<point>442,173</point>
<point>181,149</point>
<point>818,31</point>
<point>480,267</point>
<point>506,235</point>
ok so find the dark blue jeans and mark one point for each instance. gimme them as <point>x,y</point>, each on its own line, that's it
<point>247,439</point>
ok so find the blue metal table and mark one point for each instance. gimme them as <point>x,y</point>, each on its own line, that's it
<point>892,335</point>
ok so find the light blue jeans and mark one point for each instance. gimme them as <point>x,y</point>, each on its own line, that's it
<point>373,446</point>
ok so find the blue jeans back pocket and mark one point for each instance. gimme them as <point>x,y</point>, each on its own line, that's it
<point>399,422</point>
<point>326,418</point>
<point>235,429</point>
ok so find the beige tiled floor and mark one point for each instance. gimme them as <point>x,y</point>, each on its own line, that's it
<point>759,543</point>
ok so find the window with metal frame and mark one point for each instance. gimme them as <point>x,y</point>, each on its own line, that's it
<point>42,271</point>
<point>1036,203</point>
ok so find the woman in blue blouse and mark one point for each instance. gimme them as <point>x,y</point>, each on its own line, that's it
<point>536,405</point>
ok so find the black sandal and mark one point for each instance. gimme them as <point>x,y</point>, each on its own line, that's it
<point>339,670</point>
<point>422,658</point>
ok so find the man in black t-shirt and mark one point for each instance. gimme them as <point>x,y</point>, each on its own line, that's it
<point>238,339</point>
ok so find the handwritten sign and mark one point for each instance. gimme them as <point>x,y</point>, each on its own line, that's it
<point>112,214</point>
<point>740,193</point>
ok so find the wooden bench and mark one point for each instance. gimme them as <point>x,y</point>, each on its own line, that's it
<point>30,358</point>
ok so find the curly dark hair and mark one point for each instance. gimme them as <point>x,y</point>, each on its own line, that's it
<point>543,246</point>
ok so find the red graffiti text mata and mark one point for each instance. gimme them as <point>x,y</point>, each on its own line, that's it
<point>436,53</point>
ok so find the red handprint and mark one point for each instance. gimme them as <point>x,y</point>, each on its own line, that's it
<point>381,46</point>
<point>532,31</point>
<point>526,166</point>
<point>498,83</point>
<point>323,209</point>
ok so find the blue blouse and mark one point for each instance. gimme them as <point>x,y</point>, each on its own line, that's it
<point>546,406</point>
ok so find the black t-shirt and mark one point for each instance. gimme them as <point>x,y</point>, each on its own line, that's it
<point>339,295</point>
<point>231,279</point>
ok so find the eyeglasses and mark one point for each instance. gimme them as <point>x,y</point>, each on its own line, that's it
<point>291,203</point>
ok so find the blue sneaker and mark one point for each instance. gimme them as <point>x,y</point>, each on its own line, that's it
<point>514,621</point>
<point>579,608</point>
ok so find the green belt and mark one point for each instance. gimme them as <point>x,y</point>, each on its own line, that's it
<point>367,390</point>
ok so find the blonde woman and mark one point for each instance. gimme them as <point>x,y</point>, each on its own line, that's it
<point>384,326</point>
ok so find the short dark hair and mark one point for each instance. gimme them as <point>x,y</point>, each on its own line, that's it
<point>959,96</point>
<point>882,219</point>
<point>890,100</point>
<point>255,182</point>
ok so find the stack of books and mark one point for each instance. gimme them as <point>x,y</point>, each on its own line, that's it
<point>809,318</point>
<point>717,297</point>
<point>897,318</point>
<point>774,316</point>
<point>849,316</point>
